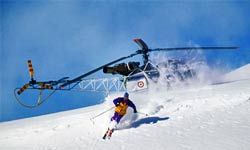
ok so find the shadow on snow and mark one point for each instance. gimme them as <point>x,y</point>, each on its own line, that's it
<point>225,82</point>
<point>143,121</point>
<point>148,120</point>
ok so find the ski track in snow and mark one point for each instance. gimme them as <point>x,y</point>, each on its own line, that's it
<point>206,117</point>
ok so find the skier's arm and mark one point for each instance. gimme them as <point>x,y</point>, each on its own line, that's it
<point>131,104</point>
<point>117,101</point>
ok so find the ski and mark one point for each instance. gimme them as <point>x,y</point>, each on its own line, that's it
<point>105,135</point>
<point>108,134</point>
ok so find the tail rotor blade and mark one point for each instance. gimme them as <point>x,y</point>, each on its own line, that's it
<point>22,89</point>
<point>31,70</point>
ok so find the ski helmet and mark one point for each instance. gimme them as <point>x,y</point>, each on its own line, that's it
<point>126,94</point>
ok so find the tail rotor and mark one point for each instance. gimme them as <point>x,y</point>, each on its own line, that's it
<point>31,82</point>
<point>37,85</point>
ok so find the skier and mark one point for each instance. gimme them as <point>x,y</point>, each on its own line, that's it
<point>121,105</point>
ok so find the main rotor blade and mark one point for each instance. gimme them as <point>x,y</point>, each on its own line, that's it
<point>141,43</point>
<point>79,78</point>
<point>194,48</point>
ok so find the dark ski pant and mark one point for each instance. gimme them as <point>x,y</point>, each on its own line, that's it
<point>117,117</point>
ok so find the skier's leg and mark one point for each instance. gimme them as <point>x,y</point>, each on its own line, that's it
<point>110,130</point>
<point>111,126</point>
<point>114,121</point>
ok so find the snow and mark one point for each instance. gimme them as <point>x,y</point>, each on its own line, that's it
<point>199,117</point>
<point>238,74</point>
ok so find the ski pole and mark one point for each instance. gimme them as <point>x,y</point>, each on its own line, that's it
<point>143,113</point>
<point>102,113</point>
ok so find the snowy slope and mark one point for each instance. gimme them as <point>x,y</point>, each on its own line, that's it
<point>238,74</point>
<point>205,117</point>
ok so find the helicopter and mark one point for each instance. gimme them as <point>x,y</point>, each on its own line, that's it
<point>135,77</point>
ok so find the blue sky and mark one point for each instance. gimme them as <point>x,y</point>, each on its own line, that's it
<point>68,38</point>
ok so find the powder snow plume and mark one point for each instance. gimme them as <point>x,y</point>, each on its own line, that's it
<point>151,101</point>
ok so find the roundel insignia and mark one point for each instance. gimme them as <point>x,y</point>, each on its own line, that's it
<point>140,84</point>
